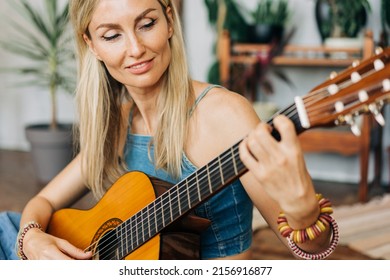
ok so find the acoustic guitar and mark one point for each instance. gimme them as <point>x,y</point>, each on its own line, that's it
<point>144,218</point>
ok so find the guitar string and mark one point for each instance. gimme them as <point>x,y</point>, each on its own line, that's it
<point>164,204</point>
<point>343,85</point>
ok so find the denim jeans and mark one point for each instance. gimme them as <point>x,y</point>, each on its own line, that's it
<point>9,227</point>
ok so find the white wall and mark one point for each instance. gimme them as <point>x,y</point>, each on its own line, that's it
<point>21,106</point>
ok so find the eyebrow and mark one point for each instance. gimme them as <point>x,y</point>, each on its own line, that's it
<point>114,25</point>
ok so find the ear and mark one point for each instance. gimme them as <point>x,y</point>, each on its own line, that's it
<point>91,47</point>
<point>170,21</point>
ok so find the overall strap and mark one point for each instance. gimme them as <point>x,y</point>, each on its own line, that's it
<point>203,94</point>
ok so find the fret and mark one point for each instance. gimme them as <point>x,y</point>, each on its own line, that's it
<point>234,161</point>
<point>157,209</point>
<point>198,187</point>
<point>220,170</point>
<point>130,241</point>
<point>209,179</point>
<point>133,231</point>
<point>183,198</point>
<point>203,184</point>
<point>123,237</point>
<point>215,177</point>
<point>152,219</point>
<point>188,191</point>
<point>173,202</point>
<point>160,210</point>
<point>144,217</point>
<point>228,169</point>
<point>164,204</point>
<point>138,221</point>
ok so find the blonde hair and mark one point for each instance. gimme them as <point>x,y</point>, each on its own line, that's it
<point>99,98</point>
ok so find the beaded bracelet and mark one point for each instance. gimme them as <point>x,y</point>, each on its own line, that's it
<point>21,235</point>
<point>324,254</point>
<point>311,232</point>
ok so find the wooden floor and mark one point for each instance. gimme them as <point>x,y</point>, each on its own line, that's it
<point>18,184</point>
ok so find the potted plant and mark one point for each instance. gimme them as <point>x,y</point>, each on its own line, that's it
<point>339,19</point>
<point>226,15</point>
<point>385,23</point>
<point>270,18</point>
<point>42,37</point>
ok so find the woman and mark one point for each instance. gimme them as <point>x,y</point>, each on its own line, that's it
<point>139,110</point>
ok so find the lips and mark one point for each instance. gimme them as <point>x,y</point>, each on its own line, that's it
<point>141,67</point>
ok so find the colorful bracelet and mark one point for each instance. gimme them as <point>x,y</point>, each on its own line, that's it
<point>21,235</point>
<point>324,254</point>
<point>311,232</point>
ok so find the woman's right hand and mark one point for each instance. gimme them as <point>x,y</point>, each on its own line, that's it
<point>38,245</point>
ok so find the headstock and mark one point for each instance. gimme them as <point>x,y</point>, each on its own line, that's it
<point>362,88</point>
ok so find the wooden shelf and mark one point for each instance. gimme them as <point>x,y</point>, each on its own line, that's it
<point>297,55</point>
<point>293,55</point>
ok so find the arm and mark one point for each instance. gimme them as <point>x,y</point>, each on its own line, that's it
<point>278,181</point>
<point>65,189</point>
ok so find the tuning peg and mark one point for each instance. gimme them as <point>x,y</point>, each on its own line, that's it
<point>377,114</point>
<point>386,85</point>
<point>333,89</point>
<point>378,64</point>
<point>355,63</point>
<point>378,50</point>
<point>355,77</point>
<point>354,126</point>
<point>363,96</point>
<point>333,75</point>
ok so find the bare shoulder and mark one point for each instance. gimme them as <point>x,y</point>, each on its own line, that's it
<point>221,119</point>
<point>225,107</point>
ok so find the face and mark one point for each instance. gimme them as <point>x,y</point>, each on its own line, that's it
<point>131,37</point>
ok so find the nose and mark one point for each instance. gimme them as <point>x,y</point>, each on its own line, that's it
<point>134,46</point>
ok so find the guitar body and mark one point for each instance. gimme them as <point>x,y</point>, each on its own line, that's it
<point>132,192</point>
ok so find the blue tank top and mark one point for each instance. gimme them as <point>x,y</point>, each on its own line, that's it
<point>230,210</point>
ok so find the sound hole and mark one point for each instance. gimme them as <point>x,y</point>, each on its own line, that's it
<point>107,247</point>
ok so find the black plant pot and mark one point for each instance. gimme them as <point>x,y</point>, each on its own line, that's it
<point>51,149</point>
<point>266,33</point>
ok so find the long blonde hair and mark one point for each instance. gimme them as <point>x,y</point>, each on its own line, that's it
<point>99,98</point>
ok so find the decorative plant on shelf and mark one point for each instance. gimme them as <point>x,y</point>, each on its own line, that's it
<point>42,37</point>
<point>225,15</point>
<point>229,15</point>
<point>270,18</point>
<point>340,18</point>
<point>385,22</point>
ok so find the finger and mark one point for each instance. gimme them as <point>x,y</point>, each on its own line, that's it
<point>286,129</point>
<point>72,251</point>
<point>246,156</point>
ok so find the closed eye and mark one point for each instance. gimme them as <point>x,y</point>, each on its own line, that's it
<point>110,38</point>
<point>148,25</point>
